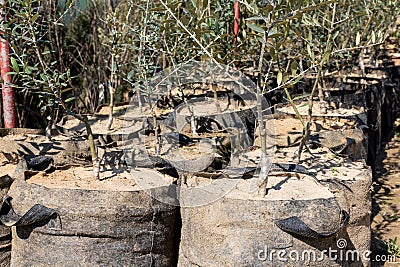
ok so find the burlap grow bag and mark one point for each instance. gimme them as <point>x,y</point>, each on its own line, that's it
<point>5,232</point>
<point>5,246</point>
<point>299,219</point>
<point>73,227</point>
<point>230,115</point>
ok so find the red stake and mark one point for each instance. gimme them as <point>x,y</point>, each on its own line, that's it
<point>236,22</point>
<point>9,111</point>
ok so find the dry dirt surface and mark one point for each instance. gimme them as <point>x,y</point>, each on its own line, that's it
<point>386,200</point>
<point>111,179</point>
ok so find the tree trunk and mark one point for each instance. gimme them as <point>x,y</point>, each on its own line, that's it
<point>9,110</point>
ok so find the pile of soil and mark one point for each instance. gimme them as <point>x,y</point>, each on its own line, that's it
<point>82,178</point>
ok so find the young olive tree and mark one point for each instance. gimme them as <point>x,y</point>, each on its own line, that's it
<point>298,38</point>
<point>36,60</point>
<point>312,37</point>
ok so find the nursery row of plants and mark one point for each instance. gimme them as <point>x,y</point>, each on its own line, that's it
<point>73,56</point>
<point>84,53</point>
<point>156,87</point>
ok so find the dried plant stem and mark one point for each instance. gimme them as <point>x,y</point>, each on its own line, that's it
<point>263,176</point>
<point>93,151</point>
<point>95,159</point>
<point>156,134</point>
<point>306,127</point>
<point>296,111</point>
<point>214,90</point>
<point>112,92</point>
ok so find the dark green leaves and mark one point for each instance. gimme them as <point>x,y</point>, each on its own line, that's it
<point>14,65</point>
<point>255,28</point>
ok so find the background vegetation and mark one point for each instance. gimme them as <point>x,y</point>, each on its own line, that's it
<point>80,51</point>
